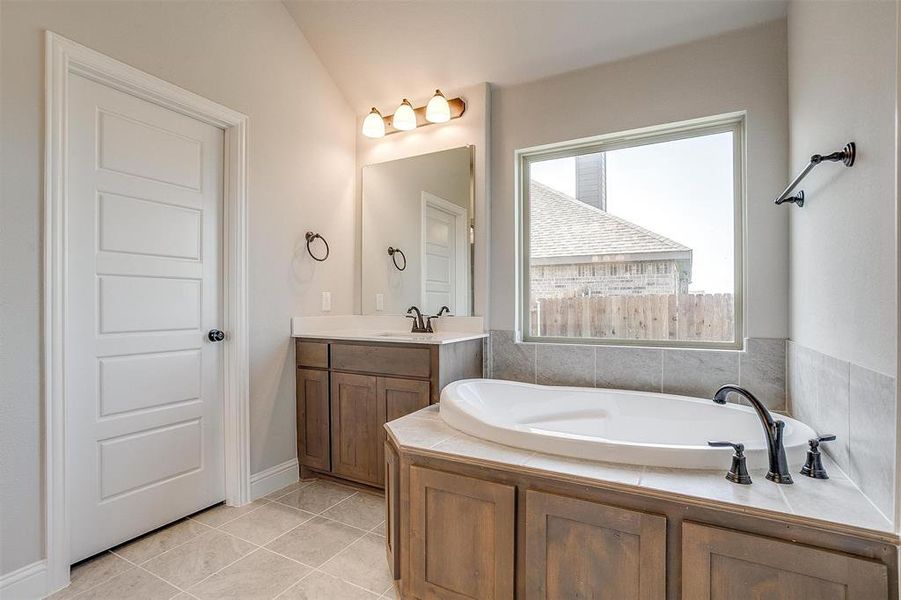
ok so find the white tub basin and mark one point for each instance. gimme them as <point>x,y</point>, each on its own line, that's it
<point>640,428</point>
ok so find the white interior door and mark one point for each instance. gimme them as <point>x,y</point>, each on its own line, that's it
<point>445,255</point>
<point>142,289</point>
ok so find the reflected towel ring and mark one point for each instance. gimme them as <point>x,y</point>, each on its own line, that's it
<point>393,252</point>
<point>312,236</point>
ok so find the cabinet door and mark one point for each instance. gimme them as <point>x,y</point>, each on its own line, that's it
<point>313,419</point>
<point>357,417</point>
<point>392,510</point>
<point>402,396</point>
<point>581,549</point>
<point>722,564</point>
<point>461,536</point>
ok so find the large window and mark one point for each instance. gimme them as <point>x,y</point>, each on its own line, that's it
<point>634,238</point>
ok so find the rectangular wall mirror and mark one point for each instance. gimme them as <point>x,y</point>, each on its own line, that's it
<point>417,244</point>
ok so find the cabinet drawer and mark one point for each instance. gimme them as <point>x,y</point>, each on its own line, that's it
<point>387,360</point>
<point>312,354</point>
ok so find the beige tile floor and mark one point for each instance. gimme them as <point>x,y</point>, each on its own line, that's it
<point>313,540</point>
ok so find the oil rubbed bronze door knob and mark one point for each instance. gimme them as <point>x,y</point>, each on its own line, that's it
<point>215,335</point>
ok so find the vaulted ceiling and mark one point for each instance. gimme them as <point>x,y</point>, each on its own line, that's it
<point>380,51</point>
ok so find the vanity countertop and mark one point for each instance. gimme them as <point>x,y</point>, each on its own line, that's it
<point>835,503</point>
<point>393,329</point>
<point>394,337</point>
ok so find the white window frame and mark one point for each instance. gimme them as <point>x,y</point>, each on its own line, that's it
<point>731,122</point>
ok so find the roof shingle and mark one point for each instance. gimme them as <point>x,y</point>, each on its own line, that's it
<point>563,226</point>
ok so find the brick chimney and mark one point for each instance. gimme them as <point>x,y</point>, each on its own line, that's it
<point>591,179</point>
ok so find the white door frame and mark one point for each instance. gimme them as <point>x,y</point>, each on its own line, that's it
<point>65,57</point>
<point>462,259</point>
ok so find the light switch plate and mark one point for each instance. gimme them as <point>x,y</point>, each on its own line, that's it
<point>326,301</point>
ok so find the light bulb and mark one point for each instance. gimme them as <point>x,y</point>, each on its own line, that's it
<point>373,124</point>
<point>404,118</point>
<point>437,110</point>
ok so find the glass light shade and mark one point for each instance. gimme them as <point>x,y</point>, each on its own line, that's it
<point>373,124</point>
<point>404,117</point>
<point>437,110</point>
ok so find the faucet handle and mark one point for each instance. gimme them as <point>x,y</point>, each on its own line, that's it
<point>738,473</point>
<point>815,442</point>
<point>813,467</point>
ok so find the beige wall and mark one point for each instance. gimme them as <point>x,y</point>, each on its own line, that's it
<point>842,58</point>
<point>743,70</point>
<point>470,129</point>
<point>249,56</point>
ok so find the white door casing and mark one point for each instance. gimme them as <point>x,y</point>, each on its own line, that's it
<point>445,256</point>
<point>67,62</point>
<point>143,289</point>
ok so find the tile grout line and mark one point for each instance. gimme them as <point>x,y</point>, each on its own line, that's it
<point>138,566</point>
<point>319,568</point>
<point>218,528</point>
<point>101,582</point>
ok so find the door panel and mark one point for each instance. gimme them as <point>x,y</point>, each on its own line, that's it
<point>722,564</point>
<point>461,536</point>
<point>313,419</point>
<point>132,382</point>
<point>357,417</point>
<point>581,549</point>
<point>402,396</point>
<point>149,457</point>
<point>123,143</point>
<point>170,231</point>
<point>439,262</point>
<point>143,223</point>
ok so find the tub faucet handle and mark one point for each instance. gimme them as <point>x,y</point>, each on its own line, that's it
<point>814,465</point>
<point>738,473</point>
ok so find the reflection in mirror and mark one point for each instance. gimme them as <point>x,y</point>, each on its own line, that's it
<point>417,242</point>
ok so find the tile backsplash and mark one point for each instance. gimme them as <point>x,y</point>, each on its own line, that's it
<point>858,406</point>
<point>760,368</point>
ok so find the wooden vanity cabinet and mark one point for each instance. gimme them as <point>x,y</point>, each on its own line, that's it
<point>347,391</point>
<point>724,564</point>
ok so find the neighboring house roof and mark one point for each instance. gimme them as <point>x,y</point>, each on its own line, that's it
<point>569,228</point>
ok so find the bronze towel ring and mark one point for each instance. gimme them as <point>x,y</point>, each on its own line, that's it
<point>310,236</point>
<point>393,252</point>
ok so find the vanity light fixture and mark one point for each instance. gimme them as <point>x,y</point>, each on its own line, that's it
<point>437,110</point>
<point>404,117</point>
<point>374,124</point>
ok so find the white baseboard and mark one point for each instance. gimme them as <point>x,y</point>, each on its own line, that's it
<point>26,583</point>
<point>274,478</point>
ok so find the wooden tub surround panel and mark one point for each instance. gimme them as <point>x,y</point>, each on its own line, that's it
<point>463,526</point>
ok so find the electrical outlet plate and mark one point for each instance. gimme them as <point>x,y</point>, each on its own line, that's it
<point>326,301</point>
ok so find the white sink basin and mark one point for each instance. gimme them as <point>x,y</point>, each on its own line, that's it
<point>403,336</point>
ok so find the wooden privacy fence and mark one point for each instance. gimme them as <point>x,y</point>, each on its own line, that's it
<point>709,317</point>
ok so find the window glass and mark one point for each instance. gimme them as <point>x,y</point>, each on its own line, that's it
<point>634,243</point>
